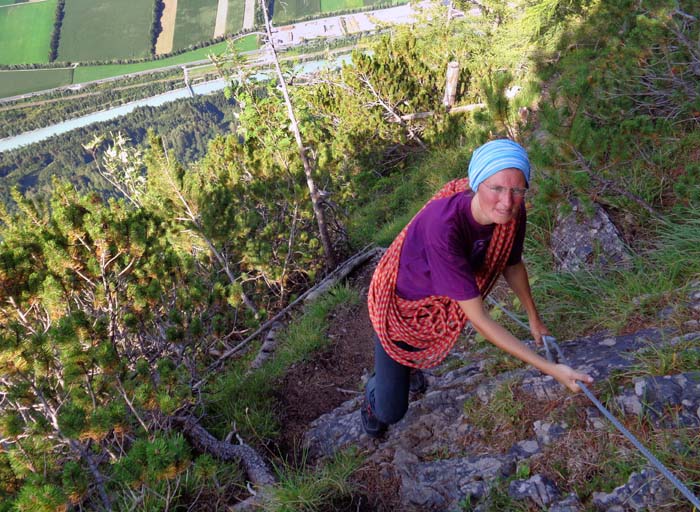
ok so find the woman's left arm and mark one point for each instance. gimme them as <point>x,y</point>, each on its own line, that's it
<point>517,278</point>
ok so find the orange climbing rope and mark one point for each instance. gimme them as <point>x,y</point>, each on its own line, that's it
<point>432,324</point>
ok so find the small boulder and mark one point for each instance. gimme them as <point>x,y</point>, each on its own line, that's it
<point>585,240</point>
<point>538,488</point>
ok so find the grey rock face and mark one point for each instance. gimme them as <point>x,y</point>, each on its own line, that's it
<point>671,400</point>
<point>525,449</point>
<point>569,504</point>
<point>428,451</point>
<point>547,432</point>
<point>441,485</point>
<point>539,489</point>
<point>581,241</point>
<point>644,491</point>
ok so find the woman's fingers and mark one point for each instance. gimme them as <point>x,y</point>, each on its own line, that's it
<point>568,376</point>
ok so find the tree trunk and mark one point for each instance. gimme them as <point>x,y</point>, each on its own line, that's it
<point>308,168</point>
<point>451,82</point>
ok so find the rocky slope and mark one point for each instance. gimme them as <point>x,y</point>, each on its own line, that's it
<point>486,432</point>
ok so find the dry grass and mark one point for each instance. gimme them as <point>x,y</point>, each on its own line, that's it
<point>167,20</point>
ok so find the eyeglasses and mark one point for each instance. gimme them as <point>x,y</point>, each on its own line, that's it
<point>516,191</point>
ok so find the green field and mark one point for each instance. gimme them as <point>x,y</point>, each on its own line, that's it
<point>328,6</point>
<point>20,82</point>
<point>234,20</point>
<point>23,81</point>
<point>285,11</point>
<point>195,22</point>
<point>25,32</point>
<point>105,29</point>
<point>89,73</point>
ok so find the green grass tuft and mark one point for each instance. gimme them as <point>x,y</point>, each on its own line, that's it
<point>314,489</point>
<point>577,303</point>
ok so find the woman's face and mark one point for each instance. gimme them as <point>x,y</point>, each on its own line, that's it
<point>499,197</point>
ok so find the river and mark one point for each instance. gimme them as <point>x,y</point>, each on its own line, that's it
<point>203,88</point>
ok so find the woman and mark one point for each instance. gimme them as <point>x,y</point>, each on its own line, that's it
<point>434,276</point>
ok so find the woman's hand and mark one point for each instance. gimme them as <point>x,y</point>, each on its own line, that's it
<point>538,329</point>
<point>567,376</point>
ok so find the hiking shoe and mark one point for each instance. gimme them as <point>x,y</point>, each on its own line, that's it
<point>372,425</point>
<point>417,382</point>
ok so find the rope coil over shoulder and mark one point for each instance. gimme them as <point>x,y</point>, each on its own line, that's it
<point>430,325</point>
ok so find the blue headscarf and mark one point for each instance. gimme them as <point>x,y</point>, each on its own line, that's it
<point>495,156</point>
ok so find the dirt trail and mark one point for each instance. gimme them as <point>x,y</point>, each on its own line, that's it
<point>221,15</point>
<point>318,386</point>
<point>167,21</point>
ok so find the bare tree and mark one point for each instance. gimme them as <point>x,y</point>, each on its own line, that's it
<point>316,199</point>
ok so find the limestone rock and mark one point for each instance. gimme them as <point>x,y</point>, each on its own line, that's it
<point>441,485</point>
<point>569,504</point>
<point>539,489</point>
<point>547,432</point>
<point>671,400</point>
<point>646,490</point>
<point>581,241</point>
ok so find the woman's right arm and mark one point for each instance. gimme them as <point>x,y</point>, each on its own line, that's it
<point>500,337</point>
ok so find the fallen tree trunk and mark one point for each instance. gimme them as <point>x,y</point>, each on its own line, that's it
<point>253,464</point>
<point>430,113</point>
<point>268,347</point>
<point>341,272</point>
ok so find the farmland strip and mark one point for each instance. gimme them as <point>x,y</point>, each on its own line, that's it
<point>249,15</point>
<point>221,14</point>
<point>167,21</point>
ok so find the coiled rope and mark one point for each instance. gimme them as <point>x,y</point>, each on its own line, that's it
<point>550,343</point>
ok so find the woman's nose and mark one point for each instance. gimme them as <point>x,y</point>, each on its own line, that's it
<point>507,197</point>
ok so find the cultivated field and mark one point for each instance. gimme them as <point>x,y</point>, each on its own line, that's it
<point>287,11</point>
<point>20,82</point>
<point>105,29</point>
<point>234,20</point>
<point>25,31</point>
<point>90,73</point>
<point>167,20</point>
<point>328,6</point>
<point>23,81</point>
<point>195,22</point>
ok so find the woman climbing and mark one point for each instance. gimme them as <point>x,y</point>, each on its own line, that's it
<point>435,275</point>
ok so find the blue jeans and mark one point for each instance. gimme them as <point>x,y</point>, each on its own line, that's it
<point>387,391</point>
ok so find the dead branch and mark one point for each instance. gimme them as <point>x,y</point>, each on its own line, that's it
<point>393,115</point>
<point>430,113</point>
<point>202,440</point>
<point>268,347</point>
<point>331,260</point>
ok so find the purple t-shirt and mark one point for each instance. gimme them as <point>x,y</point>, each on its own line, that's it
<point>444,247</point>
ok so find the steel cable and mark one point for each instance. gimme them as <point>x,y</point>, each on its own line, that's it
<point>551,343</point>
